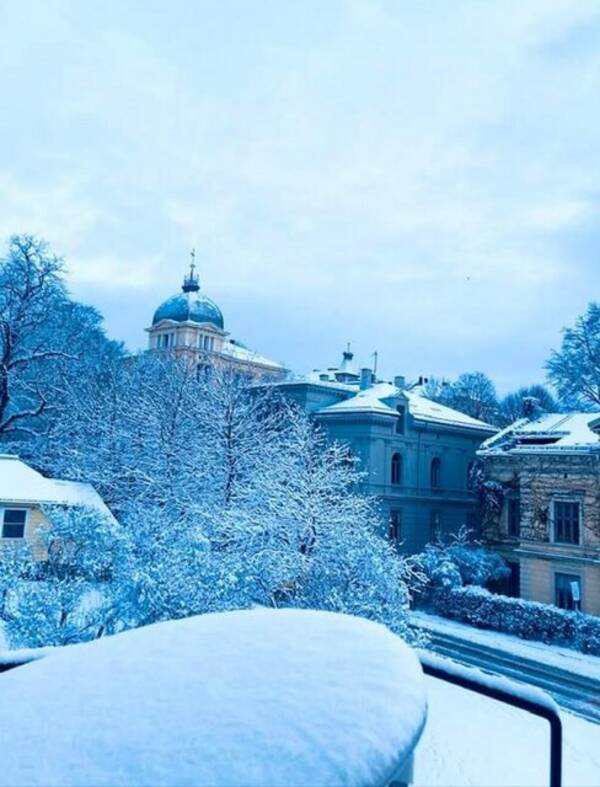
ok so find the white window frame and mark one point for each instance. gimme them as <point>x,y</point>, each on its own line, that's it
<point>3,509</point>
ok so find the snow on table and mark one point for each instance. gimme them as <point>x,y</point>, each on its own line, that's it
<point>261,697</point>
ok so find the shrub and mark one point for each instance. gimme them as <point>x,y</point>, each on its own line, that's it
<point>461,562</point>
<point>525,619</point>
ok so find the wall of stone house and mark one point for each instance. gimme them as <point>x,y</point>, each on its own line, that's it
<point>538,481</point>
<point>538,581</point>
<point>35,520</point>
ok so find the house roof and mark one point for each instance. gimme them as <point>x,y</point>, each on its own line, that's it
<point>237,351</point>
<point>547,433</point>
<point>20,483</point>
<point>380,398</point>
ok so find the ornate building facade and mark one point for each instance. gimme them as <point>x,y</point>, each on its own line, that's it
<point>189,323</point>
<point>417,455</point>
<point>542,477</point>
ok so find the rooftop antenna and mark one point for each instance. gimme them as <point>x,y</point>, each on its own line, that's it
<point>375,357</point>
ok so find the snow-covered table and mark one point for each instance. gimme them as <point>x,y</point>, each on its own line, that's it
<point>261,697</point>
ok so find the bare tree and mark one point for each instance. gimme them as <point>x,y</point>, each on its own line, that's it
<point>31,287</point>
<point>575,370</point>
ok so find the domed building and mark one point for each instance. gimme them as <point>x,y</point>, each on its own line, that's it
<point>191,323</point>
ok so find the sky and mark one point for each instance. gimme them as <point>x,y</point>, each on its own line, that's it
<point>420,179</point>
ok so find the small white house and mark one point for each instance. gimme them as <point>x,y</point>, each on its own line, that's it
<point>23,494</point>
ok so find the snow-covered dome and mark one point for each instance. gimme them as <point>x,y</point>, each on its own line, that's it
<point>190,305</point>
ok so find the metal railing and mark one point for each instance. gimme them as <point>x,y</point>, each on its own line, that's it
<point>497,688</point>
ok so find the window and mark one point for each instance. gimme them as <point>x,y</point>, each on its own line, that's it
<point>13,523</point>
<point>566,521</point>
<point>400,421</point>
<point>166,340</point>
<point>396,469</point>
<point>567,591</point>
<point>470,479</point>
<point>435,526</point>
<point>395,526</point>
<point>514,517</point>
<point>436,473</point>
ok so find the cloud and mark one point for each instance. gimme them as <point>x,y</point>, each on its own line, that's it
<point>420,177</point>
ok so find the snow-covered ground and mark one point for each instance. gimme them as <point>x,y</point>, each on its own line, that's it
<point>472,741</point>
<point>564,658</point>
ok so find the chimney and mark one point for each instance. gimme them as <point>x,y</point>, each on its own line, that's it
<point>400,381</point>
<point>366,378</point>
<point>532,408</point>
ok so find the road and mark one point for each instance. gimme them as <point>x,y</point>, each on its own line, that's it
<point>577,693</point>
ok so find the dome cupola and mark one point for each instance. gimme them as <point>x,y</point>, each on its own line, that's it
<point>190,305</point>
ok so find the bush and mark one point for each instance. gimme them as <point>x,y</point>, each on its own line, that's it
<point>525,619</point>
<point>461,563</point>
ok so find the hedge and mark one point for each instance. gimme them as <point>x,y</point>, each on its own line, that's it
<point>525,619</point>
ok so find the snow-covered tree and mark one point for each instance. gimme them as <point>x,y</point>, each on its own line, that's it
<point>45,338</point>
<point>228,496</point>
<point>78,592</point>
<point>472,393</point>
<point>513,406</point>
<point>459,561</point>
<point>574,370</point>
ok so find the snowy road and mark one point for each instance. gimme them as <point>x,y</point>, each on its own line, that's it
<point>577,693</point>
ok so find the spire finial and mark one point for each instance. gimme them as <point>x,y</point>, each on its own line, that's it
<point>190,282</point>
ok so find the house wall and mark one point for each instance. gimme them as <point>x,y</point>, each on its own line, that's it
<point>35,520</point>
<point>539,481</point>
<point>374,440</point>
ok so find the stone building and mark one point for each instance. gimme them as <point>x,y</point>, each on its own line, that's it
<point>190,323</point>
<point>417,454</point>
<point>541,509</point>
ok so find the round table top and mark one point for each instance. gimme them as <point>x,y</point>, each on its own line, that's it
<point>256,697</point>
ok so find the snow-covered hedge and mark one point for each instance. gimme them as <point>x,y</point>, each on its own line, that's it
<point>526,619</point>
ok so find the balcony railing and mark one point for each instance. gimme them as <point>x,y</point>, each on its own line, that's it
<point>519,696</point>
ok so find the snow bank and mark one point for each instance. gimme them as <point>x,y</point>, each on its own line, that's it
<point>552,655</point>
<point>261,697</point>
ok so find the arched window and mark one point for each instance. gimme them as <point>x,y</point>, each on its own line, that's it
<point>396,469</point>
<point>470,479</point>
<point>436,473</point>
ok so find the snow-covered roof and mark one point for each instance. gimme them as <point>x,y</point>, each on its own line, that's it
<point>244,354</point>
<point>547,433</point>
<point>20,483</point>
<point>379,398</point>
<point>260,697</point>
